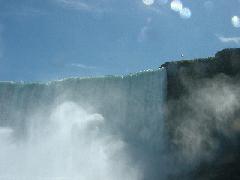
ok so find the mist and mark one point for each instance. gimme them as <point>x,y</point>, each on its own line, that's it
<point>114,128</point>
<point>210,120</point>
<point>108,128</point>
<point>71,145</point>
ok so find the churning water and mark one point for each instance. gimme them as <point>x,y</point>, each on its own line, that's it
<point>108,128</point>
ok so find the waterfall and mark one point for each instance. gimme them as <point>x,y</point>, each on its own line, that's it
<point>105,128</point>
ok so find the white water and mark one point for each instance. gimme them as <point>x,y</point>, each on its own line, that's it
<point>82,129</point>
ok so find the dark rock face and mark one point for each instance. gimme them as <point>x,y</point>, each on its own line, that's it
<point>203,116</point>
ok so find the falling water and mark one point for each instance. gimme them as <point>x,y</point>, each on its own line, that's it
<point>107,128</point>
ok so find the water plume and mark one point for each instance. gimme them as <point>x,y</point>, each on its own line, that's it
<point>71,146</point>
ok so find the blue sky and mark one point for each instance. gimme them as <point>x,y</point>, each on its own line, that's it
<point>50,39</point>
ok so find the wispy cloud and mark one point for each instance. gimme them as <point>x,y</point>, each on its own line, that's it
<point>76,4</point>
<point>1,42</point>
<point>208,4</point>
<point>223,39</point>
<point>22,11</point>
<point>82,66</point>
<point>161,2</point>
<point>82,5</point>
<point>26,11</point>
<point>142,36</point>
<point>143,33</point>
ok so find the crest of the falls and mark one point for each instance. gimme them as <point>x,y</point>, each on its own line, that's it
<point>91,128</point>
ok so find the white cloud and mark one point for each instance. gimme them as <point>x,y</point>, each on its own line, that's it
<point>185,13</point>
<point>177,6</point>
<point>82,66</point>
<point>236,21</point>
<point>148,2</point>
<point>84,5</point>
<point>223,39</point>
